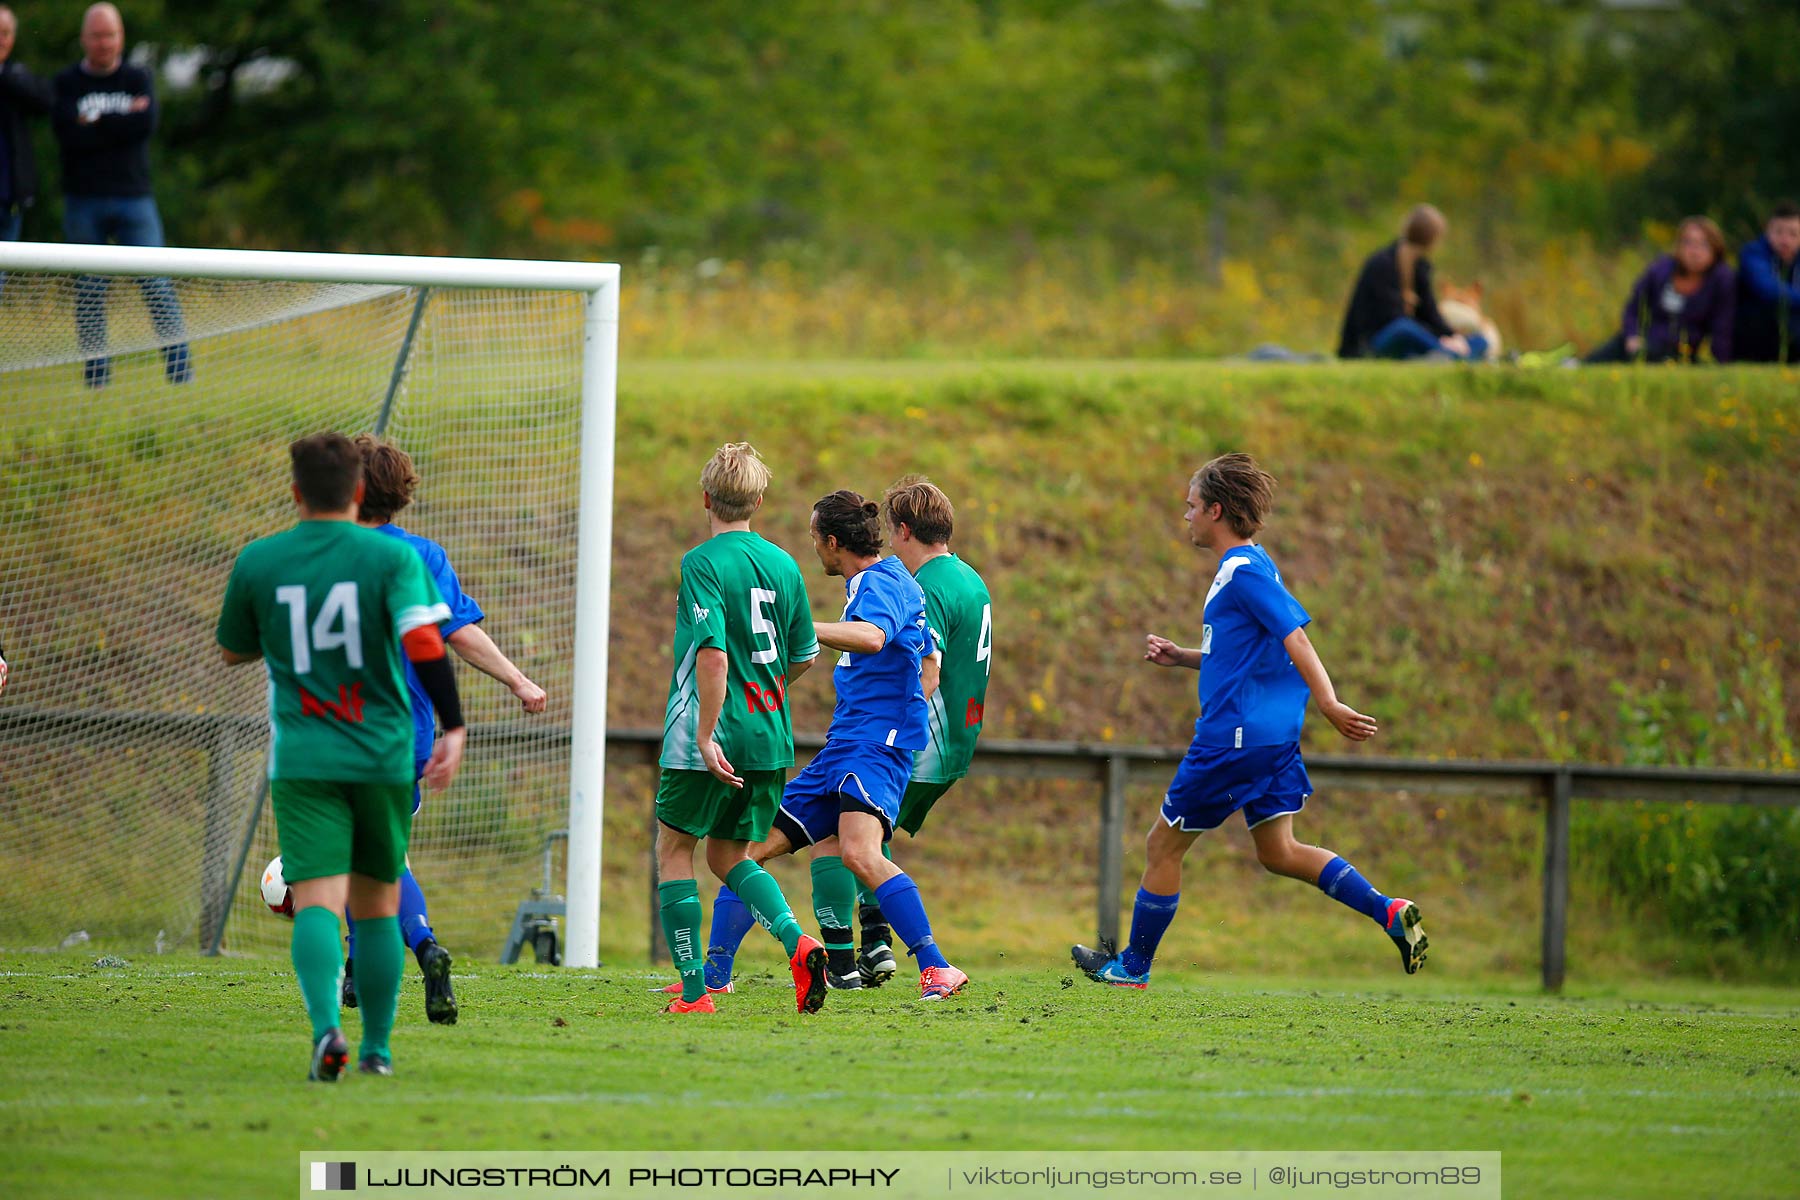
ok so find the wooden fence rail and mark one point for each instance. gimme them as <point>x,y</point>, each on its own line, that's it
<point>1111,768</point>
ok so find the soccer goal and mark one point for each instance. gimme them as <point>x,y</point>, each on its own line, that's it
<point>147,397</point>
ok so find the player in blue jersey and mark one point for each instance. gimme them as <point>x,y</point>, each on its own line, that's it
<point>1257,670</point>
<point>388,485</point>
<point>846,802</point>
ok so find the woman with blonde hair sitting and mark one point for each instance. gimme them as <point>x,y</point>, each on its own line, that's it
<point>1393,312</point>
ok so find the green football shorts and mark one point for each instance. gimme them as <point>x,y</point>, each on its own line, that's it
<point>696,803</point>
<point>328,828</point>
<point>917,802</point>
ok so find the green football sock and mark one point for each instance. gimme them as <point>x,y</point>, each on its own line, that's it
<point>834,903</point>
<point>681,918</point>
<point>762,896</point>
<point>318,965</point>
<point>380,961</point>
<point>865,895</point>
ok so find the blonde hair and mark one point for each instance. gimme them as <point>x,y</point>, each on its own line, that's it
<point>920,505</point>
<point>1424,226</point>
<point>735,477</point>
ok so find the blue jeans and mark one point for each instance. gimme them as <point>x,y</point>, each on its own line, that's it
<point>1404,337</point>
<point>127,221</point>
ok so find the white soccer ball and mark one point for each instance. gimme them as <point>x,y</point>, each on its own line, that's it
<point>275,890</point>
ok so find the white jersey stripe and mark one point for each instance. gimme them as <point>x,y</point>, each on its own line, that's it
<point>420,615</point>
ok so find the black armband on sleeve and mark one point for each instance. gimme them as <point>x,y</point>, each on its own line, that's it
<point>439,682</point>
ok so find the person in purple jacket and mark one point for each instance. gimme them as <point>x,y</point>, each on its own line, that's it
<point>1681,302</point>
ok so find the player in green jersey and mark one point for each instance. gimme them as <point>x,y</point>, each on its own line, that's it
<point>330,608</point>
<point>960,612</point>
<point>743,634</point>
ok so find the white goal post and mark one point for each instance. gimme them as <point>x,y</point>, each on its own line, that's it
<point>598,286</point>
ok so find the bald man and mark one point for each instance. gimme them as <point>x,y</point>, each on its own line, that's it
<point>22,96</point>
<point>104,114</point>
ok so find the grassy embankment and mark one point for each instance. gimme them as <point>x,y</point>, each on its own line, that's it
<point>1590,565</point>
<point>1584,565</point>
<point>1086,302</point>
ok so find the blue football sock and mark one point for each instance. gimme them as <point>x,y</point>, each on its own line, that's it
<point>415,922</point>
<point>731,920</point>
<point>1150,917</point>
<point>1343,883</point>
<point>899,899</point>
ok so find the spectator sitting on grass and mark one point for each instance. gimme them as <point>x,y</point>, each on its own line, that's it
<point>1681,301</point>
<point>1768,292</point>
<point>1393,312</point>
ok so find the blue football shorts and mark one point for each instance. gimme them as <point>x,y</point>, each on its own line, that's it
<point>844,777</point>
<point>1213,782</point>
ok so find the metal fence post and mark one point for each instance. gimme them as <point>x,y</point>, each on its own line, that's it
<point>658,951</point>
<point>1556,877</point>
<point>1112,848</point>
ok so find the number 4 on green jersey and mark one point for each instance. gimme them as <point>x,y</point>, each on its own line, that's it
<point>961,615</point>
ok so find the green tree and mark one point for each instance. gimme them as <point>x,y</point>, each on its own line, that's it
<point>860,131</point>
<point>335,124</point>
<point>1723,84</point>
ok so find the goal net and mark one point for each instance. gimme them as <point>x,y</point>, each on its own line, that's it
<point>146,419</point>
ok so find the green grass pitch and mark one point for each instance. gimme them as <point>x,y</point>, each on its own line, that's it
<point>182,1076</point>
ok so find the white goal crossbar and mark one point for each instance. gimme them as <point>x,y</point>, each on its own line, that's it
<point>599,282</point>
<point>397,269</point>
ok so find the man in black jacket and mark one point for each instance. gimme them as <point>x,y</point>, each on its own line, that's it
<point>22,95</point>
<point>104,114</point>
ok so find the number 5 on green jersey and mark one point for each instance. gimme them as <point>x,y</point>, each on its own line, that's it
<point>745,596</point>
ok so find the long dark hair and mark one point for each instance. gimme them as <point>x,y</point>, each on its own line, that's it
<point>853,521</point>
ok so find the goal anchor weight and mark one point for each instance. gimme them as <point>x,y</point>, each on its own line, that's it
<point>535,920</point>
